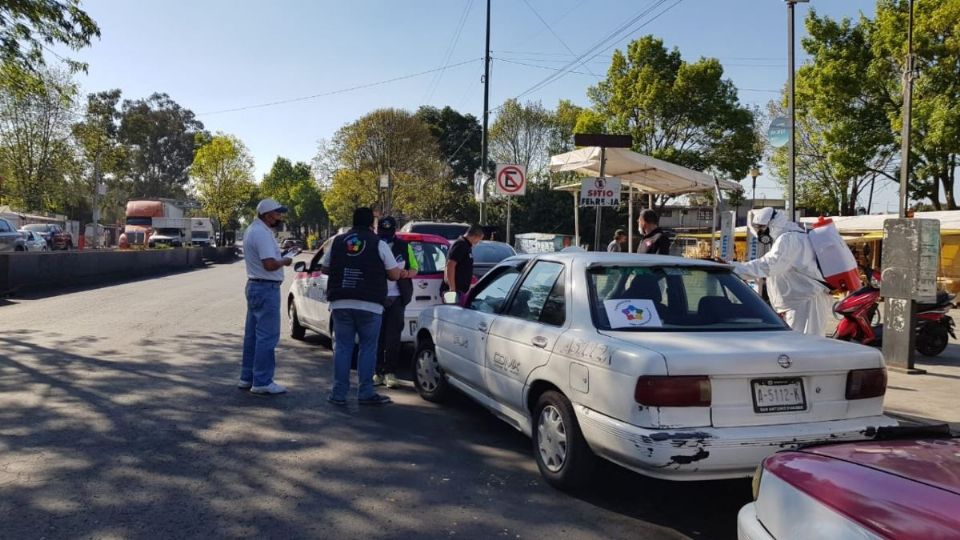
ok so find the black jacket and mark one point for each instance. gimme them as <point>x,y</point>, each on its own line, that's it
<point>656,242</point>
<point>401,252</point>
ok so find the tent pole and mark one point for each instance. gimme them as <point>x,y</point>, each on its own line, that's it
<point>576,218</point>
<point>596,230</point>
<point>630,223</point>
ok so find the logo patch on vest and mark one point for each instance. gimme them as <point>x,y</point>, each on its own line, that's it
<point>355,245</point>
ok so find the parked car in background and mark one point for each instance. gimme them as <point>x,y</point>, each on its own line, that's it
<point>10,238</point>
<point>488,254</point>
<point>33,241</point>
<point>55,236</point>
<point>166,236</point>
<point>307,304</point>
<point>904,488</point>
<point>670,367</point>
<point>450,231</point>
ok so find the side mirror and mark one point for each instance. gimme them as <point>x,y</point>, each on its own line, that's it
<point>300,266</point>
<point>450,298</point>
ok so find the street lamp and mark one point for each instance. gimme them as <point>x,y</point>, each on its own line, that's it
<point>792,142</point>
<point>754,173</point>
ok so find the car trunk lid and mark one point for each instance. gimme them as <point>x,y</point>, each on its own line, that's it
<point>767,377</point>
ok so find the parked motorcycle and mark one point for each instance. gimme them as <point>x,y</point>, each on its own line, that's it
<point>861,318</point>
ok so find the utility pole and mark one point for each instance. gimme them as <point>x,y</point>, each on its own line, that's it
<point>485,144</point>
<point>907,106</point>
<point>791,106</point>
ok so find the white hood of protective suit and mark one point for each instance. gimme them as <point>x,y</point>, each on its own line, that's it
<point>793,278</point>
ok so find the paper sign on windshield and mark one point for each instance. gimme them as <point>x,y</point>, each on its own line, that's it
<point>632,313</point>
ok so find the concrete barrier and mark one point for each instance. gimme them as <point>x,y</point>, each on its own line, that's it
<point>219,254</point>
<point>22,272</point>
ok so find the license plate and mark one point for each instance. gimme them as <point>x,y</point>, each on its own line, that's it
<point>413,328</point>
<point>778,395</point>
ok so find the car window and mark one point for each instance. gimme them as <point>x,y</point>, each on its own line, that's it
<point>555,309</point>
<point>682,298</point>
<point>39,227</point>
<point>432,258</point>
<point>4,226</point>
<point>533,293</point>
<point>490,299</point>
<point>491,253</point>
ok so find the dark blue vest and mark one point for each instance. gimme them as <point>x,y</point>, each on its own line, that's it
<point>356,271</point>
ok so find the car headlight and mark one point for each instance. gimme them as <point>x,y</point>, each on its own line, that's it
<point>757,475</point>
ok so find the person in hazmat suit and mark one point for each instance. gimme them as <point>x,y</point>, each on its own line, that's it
<point>796,289</point>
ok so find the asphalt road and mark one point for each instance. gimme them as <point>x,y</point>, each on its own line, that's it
<point>119,419</point>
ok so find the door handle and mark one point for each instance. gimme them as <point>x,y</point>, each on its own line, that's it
<point>482,327</point>
<point>539,341</point>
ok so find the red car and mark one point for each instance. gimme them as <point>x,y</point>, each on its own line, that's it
<point>907,488</point>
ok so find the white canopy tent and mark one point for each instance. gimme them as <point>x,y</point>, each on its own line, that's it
<point>638,174</point>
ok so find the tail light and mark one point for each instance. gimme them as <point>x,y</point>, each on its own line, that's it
<point>866,383</point>
<point>667,391</point>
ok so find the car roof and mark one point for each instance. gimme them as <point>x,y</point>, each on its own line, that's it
<point>423,237</point>
<point>611,259</point>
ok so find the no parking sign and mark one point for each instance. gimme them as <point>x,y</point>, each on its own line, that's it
<point>511,180</point>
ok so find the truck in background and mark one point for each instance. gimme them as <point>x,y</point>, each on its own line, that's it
<point>202,232</point>
<point>155,222</point>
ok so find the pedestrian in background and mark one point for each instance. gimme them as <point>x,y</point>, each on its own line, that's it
<point>358,264</point>
<point>399,294</point>
<point>264,263</point>
<point>654,240</point>
<point>616,245</point>
<point>458,274</point>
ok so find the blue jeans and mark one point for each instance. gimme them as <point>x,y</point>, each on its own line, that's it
<point>348,325</point>
<point>262,332</point>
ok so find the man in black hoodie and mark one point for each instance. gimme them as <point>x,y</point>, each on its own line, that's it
<point>654,241</point>
<point>399,294</point>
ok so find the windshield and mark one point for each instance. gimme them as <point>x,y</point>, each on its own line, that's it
<point>141,221</point>
<point>485,252</point>
<point>168,232</point>
<point>672,298</point>
<point>449,231</point>
<point>37,227</point>
<point>200,234</point>
<point>432,258</point>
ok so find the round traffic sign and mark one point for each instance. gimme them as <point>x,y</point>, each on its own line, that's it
<point>779,132</point>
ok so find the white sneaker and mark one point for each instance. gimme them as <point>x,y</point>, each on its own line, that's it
<point>244,385</point>
<point>377,380</point>
<point>272,388</point>
<point>391,380</point>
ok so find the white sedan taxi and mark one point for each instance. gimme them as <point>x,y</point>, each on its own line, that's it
<point>671,367</point>
<point>308,309</point>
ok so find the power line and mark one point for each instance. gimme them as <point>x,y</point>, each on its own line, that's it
<point>556,35</point>
<point>435,82</point>
<point>340,91</point>
<point>545,67</point>
<point>655,17</point>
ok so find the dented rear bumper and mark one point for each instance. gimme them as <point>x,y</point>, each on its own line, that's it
<point>710,453</point>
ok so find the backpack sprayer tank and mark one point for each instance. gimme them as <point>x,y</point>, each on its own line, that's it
<point>835,259</point>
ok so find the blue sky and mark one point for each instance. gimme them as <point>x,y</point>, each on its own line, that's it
<point>213,55</point>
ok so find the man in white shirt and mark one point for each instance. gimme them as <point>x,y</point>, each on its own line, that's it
<point>264,263</point>
<point>358,264</point>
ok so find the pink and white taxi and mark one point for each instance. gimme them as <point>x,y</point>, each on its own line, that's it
<point>671,367</point>
<point>308,309</point>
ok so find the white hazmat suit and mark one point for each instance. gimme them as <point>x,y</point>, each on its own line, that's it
<point>793,278</point>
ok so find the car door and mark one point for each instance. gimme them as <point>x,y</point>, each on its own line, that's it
<point>462,336</point>
<point>524,336</point>
<point>7,236</point>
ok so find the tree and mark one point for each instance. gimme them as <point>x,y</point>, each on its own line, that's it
<point>36,154</point>
<point>222,178</point>
<point>389,142</point>
<point>294,187</point>
<point>521,134</point>
<point>28,26</point>
<point>102,157</point>
<point>458,138</point>
<point>685,113</point>
<point>162,140</point>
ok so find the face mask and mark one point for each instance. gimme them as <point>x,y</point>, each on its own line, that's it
<point>763,236</point>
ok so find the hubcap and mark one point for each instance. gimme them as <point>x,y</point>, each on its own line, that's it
<point>428,370</point>
<point>552,438</point>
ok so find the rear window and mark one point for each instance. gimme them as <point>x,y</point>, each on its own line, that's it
<point>448,231</point>
<point>491,253</point>
<point>432,258</point>
<point>675,298</point>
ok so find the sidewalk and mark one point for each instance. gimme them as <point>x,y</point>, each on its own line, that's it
<point>930,398</point>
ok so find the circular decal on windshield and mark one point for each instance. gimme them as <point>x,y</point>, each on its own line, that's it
<point>633,314</point>
<point>354,244</point>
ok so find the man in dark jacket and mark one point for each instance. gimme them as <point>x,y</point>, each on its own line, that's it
<point>359,265</point>
<point>654,240</point>
<point>399,294</point>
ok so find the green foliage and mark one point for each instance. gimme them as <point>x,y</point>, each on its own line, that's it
<point>682,112</point>
<point>521,134</point>
<point>222,179</point>
<point>27,26</point>
<point>294,187</point>
<point>162,139</point>
<point>458,138</point>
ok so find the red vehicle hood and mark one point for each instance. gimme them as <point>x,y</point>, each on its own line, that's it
<point>935,462</point>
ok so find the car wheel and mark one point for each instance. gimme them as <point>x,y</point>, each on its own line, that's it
<point>931,339</point>
<point>19,248</point>
<point>428,375</point>
<point>562,455</point>
<point>296,330</point>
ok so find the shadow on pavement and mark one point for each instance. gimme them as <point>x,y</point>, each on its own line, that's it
<point>96,442</point>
